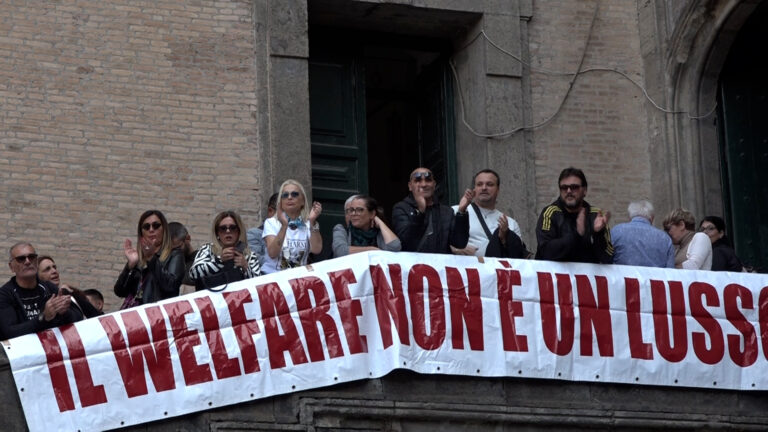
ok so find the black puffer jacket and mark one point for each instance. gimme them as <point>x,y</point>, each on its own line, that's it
<point>433,231</point>
<point>161,279</point>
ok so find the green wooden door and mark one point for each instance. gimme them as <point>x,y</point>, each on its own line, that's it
<point>337,123</point>
<point>743,104</point>
<point>436,128</point>
<point>745,159</point>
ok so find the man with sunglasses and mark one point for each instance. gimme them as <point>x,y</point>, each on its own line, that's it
<point>27,304</point>
<point>423,224</point>
<point>571,230</point>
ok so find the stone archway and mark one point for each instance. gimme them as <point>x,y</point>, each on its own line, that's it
<point>691,41</point>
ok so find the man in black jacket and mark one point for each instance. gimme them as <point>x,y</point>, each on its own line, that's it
<point>27,304</point>
<point>570,229</point>
<point>423,224</point>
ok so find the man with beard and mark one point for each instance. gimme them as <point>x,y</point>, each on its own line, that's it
<point>423,224</point>
<point>491,232</point>
<point>570,229</point>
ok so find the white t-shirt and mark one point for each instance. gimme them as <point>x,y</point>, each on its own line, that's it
<point>477,237</point>
<point>295,250</point>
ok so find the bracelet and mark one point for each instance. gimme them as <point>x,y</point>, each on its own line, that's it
<point>315,227</point>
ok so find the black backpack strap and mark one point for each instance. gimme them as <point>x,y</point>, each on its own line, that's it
<point>482,221</point>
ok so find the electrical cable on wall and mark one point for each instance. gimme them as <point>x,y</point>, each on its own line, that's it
<point>573,75</point>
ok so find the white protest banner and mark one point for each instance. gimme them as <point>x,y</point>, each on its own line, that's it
<point>365,315</point>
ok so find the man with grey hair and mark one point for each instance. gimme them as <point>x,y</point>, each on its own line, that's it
<point>29,305</point>
<point>638,242</point>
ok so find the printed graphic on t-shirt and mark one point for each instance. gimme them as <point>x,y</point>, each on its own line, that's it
<point>293,253</point>
<point>31,306</point>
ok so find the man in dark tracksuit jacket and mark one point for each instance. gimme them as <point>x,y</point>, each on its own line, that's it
<point>424,225</point>
<point>571,230</point>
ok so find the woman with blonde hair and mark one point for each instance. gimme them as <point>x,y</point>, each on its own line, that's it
<point>227,257</point>
<point>154,270</point>
<point>293,232</point>
<point>693,251</point>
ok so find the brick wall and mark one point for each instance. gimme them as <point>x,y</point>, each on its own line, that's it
<point>112,108</point>
<point>602,127</point>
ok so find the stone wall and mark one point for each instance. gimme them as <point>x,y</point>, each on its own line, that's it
<point>112,108</point>
<point>601,126</point>
<point>406,401</point>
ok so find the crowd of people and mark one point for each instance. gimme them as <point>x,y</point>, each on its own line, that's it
<point>161,259</point>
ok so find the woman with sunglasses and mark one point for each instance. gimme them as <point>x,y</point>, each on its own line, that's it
<point>365,230</point>
<point>154,270</point>
<point>227,257</point>
<point>293,232</point>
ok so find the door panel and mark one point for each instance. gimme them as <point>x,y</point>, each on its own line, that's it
<point>745,153</point>
<point>436,129</point>
<point>339,157</point>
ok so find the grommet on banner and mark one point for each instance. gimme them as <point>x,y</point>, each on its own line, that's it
<point>438,368</point>
<point>165,413</point>
<point>519,372</point>
<point>251,394</point>
<point>403,363</point>
<point>210,403</point>
<point>675,381</point>
<point>597,376</point>
<point>714,383</point>
<point>478,371</point>
<point>335,378</point>
<point>637,378</point>
<point>293,387</point>
<point>559,374</point>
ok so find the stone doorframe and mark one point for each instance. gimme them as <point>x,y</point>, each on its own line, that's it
<point>684,48</point>
<point>495,88</point>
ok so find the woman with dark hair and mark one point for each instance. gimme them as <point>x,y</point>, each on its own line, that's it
<point>723,256</point>
<point>227,257</point>
<point>364,231</point>
<point>154,270</point>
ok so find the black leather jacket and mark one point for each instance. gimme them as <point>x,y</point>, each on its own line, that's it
<point>433,231</point>
<point>161,279</point>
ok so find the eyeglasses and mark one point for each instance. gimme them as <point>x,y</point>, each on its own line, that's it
<point>228,228</point>
<point>417,177</point>
<point>708,228</point>
<point>354,210</point>
<point>292,194</point>
<point>566,187</point>
<point>154,225</point>
<point>21,259</point>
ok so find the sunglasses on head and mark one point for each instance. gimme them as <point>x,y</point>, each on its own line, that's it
<point>153,225</point>
<point>228,228</point>
<point>21,259</point>
<point>293,194</point>
<point>427,176</point>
